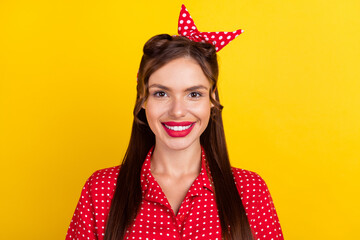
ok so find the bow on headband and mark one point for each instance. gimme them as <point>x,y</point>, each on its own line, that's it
<point>187,28</point>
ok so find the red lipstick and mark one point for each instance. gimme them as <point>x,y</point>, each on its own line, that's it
<point>178,129</point>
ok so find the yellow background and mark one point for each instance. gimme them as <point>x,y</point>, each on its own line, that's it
<point>289,84</point>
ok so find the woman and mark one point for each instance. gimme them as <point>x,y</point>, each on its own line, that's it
<point>175,181</point>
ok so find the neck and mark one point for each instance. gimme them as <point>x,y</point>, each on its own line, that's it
<point>176,163</point>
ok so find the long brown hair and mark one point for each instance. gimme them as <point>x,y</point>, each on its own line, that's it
<point>126,201</point>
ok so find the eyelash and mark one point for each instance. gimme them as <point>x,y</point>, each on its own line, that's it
<point>157,94</point>
<point>197,93</point>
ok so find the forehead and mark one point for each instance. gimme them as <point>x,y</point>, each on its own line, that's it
<point>180,73</point>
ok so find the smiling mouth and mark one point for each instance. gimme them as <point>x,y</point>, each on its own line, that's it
<point>178,128</point>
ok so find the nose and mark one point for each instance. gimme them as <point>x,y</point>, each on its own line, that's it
<point>177,108</point>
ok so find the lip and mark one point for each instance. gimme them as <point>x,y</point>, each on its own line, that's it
<point>177,123</point>
<point>173,133</point>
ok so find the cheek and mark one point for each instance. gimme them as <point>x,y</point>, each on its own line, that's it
<point>202,110</point>
<point>153,113</point>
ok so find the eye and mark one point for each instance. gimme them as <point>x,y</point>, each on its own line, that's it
<point>159,94</point>
<point>195,95</point>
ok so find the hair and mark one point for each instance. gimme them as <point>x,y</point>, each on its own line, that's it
<point>158,51</point>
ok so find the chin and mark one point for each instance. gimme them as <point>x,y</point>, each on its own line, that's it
<point>179,144</point>
<point>163,139</point>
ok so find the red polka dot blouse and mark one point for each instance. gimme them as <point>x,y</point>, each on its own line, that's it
<point>197,217</point>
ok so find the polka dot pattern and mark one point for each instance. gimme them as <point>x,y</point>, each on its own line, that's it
<point>88,221</point>
<point>187,28</point>
<point>197,217</point>
<point>258,204</point>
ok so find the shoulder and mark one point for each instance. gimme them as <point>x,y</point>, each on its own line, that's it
<point>242,176</point>
<point>258,204</point>
<point>249,183</point>
<point>102,182</point>
<point>104,176</point>
<point>94,205</point>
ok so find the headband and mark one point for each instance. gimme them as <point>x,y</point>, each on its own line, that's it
<point>187,28</point>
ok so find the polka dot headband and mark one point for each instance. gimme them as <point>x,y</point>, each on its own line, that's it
<point>187,28</point>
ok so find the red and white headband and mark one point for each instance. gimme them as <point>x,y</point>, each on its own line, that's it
<point>187,28</point>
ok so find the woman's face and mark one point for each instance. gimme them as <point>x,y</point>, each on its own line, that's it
<point>178,106</point>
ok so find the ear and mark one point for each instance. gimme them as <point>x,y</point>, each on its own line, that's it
<point>143,105</point>
<point>213,96</point>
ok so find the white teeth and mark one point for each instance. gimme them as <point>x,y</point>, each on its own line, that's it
<point>178,128</point>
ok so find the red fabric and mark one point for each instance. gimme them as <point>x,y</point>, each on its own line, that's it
<point>187,28</point>
<point>197,217</point>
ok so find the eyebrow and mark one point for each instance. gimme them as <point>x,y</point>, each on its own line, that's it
<point>197,87</point>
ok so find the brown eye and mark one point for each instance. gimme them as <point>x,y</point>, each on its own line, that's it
<point>195,94</point>
<point>159,94</point>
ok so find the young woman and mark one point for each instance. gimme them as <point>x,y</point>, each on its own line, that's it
<point>175,181</point>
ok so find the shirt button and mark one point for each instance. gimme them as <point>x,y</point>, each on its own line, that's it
<point>182,217</point>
